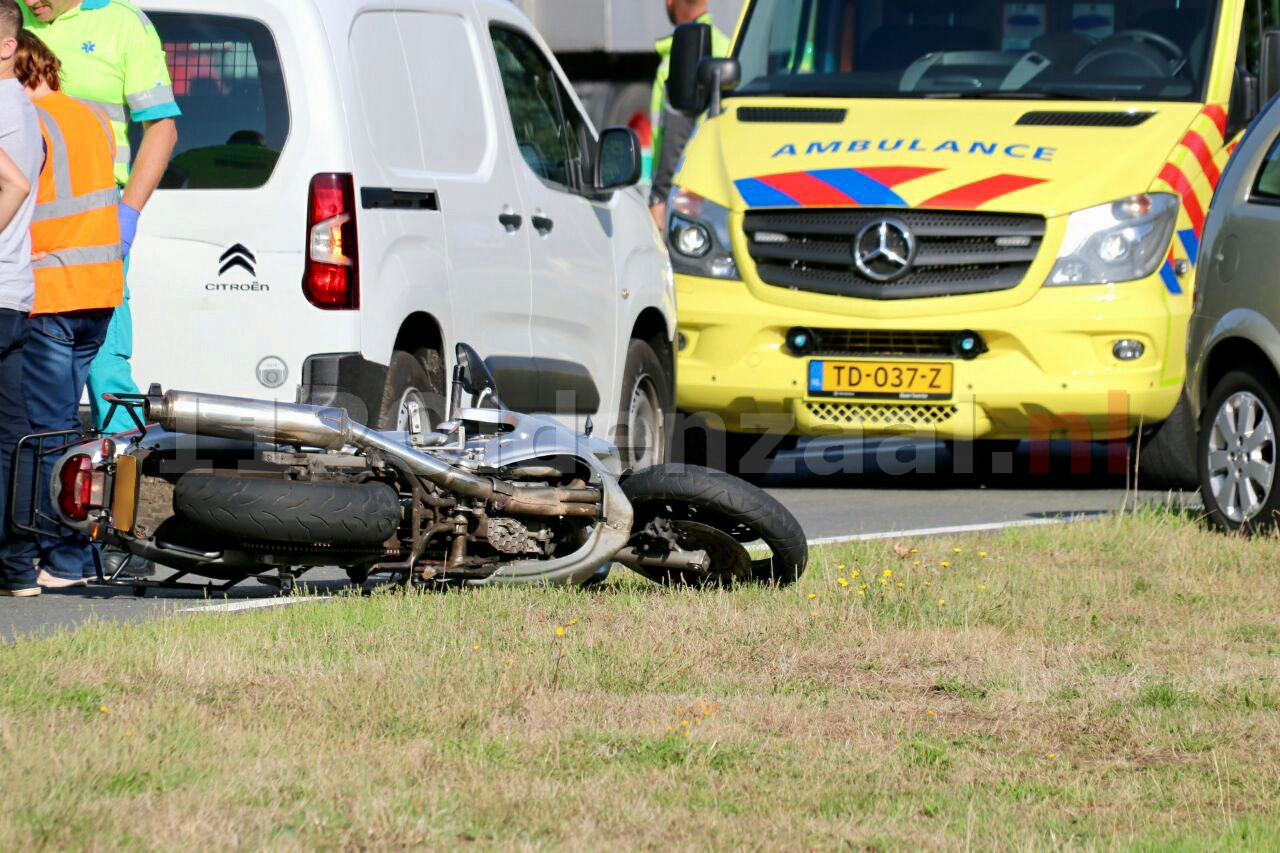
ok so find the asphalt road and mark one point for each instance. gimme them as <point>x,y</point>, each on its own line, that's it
<point>862,489</point>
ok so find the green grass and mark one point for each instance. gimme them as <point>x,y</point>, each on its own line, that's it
<point>1114,684</point>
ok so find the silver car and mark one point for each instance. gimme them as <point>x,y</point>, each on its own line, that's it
<point>1233,355</point>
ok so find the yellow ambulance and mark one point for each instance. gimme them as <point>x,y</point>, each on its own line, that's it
<point>958,219</point>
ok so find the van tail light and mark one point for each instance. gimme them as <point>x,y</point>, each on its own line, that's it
<point>81,488</point>
<point>332,277</point>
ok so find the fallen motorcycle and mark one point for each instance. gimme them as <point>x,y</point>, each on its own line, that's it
<point>268,491</point>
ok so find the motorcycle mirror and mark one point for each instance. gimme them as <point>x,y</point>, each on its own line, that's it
<point>476,376</point>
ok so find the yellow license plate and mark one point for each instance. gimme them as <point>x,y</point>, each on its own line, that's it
<point>885,380</point>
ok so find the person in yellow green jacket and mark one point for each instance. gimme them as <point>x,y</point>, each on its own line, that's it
<point>668,126</point>
<point>113,61</point>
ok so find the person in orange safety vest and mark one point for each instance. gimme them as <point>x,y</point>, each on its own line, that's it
<point>79,270</point>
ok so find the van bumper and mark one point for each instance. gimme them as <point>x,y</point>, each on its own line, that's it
<point>344,380</point>
<point>1048,372</point>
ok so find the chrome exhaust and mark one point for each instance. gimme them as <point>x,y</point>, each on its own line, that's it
<point>264,421</point>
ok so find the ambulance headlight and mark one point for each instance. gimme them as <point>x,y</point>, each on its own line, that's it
<point>698,236</point>
<point>1122,241</point>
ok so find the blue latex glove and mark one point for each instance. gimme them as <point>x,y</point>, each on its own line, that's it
<point>128,226</point>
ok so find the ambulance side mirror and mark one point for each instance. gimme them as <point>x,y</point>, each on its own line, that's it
<point>690,45</point>
<point>718,76</point>
<point>1269,75</point>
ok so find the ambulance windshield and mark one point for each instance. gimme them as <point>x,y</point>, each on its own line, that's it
<point>1157,50</point>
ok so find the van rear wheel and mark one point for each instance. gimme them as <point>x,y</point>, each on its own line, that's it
<point>413,398</point>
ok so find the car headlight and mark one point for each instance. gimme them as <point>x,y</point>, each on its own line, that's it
<point>1122,241</point>
<point>698,236</point>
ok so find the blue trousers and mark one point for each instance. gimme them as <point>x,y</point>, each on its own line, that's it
<point>111,372</point>
<point>17,550</point>
<point>54,371</point>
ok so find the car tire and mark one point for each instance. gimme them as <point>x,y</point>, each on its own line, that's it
<point>645,421</point>
<point>1166,459</point>
<point>414,388</point>
<point>1237,454</point>
<point>626,103</point>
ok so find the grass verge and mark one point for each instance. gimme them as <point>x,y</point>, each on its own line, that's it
<point>1110,684</point>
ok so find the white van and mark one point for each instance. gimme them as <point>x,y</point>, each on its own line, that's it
<point>360,184</point>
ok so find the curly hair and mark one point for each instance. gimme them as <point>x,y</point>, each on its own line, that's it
<point>36,63</point>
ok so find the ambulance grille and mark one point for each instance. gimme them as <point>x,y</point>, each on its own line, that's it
<point>870,414</point>
<point>882,342</point>
<point>959,252</point>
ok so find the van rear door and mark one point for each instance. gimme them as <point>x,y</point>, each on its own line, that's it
<point>216,271</point>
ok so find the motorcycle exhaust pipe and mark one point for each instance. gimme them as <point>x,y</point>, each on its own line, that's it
<point>242,419</point>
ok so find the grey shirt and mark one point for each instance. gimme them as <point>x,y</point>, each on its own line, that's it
<point>19,138</point>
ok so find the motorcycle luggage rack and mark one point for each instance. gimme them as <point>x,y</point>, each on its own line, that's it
<point>25,513</point>
<point>27,516</point>
<point>38,446</point>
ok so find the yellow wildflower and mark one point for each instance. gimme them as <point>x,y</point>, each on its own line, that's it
<point>560,631</point>
<point>812,596</point>
<point>888,573</point>
<point>842,582</point>
<point>942,602</point>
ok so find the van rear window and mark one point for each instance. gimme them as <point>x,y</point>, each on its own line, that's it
<point>235,113</point>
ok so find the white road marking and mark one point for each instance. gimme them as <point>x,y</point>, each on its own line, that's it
<point>949,531</point>
<point>254,604</point>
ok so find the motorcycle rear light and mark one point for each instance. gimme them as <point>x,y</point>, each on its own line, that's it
<point>76,496</point>
<point>332,277</point>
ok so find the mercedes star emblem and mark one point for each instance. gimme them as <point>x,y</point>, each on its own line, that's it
<point>884,250</point>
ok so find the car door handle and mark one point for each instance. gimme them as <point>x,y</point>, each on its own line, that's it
<point>511,220</point>
<point>543,224</point>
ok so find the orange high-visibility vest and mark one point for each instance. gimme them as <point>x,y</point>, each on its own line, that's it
<point>77,218</point>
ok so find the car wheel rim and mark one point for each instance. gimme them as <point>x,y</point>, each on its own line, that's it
<point>1242,457</point>
<point>644,425</point>
<point>412,415</point>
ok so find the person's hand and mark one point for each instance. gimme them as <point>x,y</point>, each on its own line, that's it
<point>128,227</point>
<point>38,256</point>
<point>659,212</point>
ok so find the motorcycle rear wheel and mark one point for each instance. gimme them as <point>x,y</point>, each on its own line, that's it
<point>264,510</point>
<point>708,510</point>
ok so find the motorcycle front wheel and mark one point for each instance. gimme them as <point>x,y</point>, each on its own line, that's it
<point>746,535</point>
